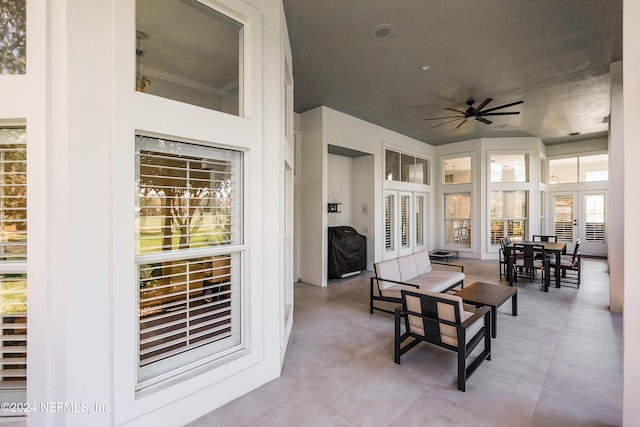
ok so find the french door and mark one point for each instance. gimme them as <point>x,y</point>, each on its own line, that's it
<point>404,223</point>
<point>581,215</point>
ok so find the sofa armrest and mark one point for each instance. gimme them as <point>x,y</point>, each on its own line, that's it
<point>382,279</point>
<point>461,267</point>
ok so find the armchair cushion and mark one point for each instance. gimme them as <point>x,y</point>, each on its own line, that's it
<point>408,269</point>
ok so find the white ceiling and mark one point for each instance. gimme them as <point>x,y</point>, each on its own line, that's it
<point>552,54</point>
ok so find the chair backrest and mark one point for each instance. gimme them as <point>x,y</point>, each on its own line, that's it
<point>529,253</point>
<point>576,251</point>
<point>542,238</point>
<point>434,307</point>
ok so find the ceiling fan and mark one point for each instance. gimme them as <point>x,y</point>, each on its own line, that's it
<point>476,113</point>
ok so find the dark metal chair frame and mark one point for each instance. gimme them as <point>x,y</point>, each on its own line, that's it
<point>431,322</point>
<point>574,264</point>
<point>530,254</point>
<point>543,238</point>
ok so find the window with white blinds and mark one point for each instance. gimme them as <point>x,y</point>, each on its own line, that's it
<point>405,205</point>
<point>13,257</point>
<point>594,218</point>
<point>388,222</point>
<point>189,254</point>
<point>419,220</point>
<point>457,222</point>
<point>563,217</point>
<point>508,214</point>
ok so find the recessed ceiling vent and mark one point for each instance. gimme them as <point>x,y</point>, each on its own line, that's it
<point>383,32</point>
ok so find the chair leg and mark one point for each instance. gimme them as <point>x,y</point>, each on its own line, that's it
<point>462,370</point>
<point>397,340</point>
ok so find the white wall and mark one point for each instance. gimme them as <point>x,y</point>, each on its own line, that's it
<point>616,202</point>
<point>631,93</point>
<point>340,189</point>
<point>363,198</point>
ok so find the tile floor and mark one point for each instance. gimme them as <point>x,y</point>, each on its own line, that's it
<point>558,363</point>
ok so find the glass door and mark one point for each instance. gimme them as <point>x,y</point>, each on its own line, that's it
<point>581,215</point>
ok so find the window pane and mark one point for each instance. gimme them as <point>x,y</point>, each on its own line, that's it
<point>594,168</point>
<point>563,171</point>
<point>458,219</point>
<point>404,221</point>
<point>13,37</point>
<point>509,168</point>
<point>198,61</point>
<point>388,222</point>
<point>419,220</point>
<point>594,218</point>
<point>392,165</point>
<point>185,199</point>
<point>508,214</point>
<point>457,171</point>
<point>185,305</point>
<point>13,194</point>
<point>422,171</point>
<point>13,312</point>
<point>563,217</point>
<point>408,168</point>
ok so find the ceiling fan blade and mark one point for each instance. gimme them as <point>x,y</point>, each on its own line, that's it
<point>483,104</point>
<point>454,110</point>
<point>462,122</point>
<point>483,120</point>
<point>511,113</point>
<point>447,117</point>
<point>503,106</point>
<point>448,121</point>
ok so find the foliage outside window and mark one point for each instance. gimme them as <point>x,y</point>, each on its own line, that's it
<point>457,222</point>
<point>13,36</point>
<point>199,61</point>
<point>579,169</point>
<point>189,253</point>
<point>509,168</point>
<point>457,170</point>
<point>406,168</point>
<point>13,257</point>
<point>508,215</point>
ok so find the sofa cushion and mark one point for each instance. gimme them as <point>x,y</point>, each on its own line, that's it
<point>437,280</point>
<point>423,262</point>
<point>407,265</point>
<point>388,270</point>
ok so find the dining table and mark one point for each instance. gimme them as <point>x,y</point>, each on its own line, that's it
<point>556,248</point>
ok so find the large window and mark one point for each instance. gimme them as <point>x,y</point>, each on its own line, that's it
<point>406,168</point>
<point>188,52</point>
<point>13,37</point>
<point>189,248</point>
<point>13,265</point>
<point>509,168</point>
<point>579,169</point>
<point>508,215</point>
<point>457,222</point>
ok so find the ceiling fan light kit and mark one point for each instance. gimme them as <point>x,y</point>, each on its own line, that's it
<point>476,113</point>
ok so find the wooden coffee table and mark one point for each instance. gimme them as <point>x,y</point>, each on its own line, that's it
<point>480,294</point>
